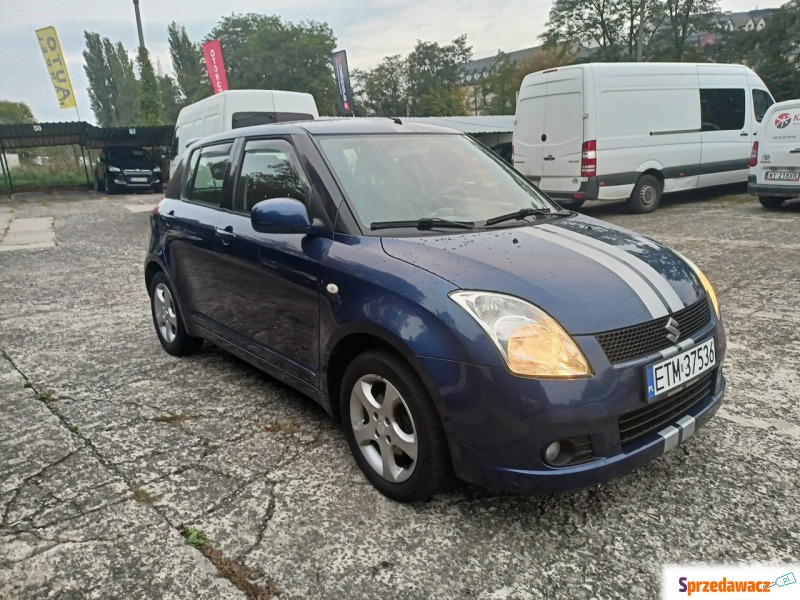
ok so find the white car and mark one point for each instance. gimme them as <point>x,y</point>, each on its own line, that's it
<point>775,159</point>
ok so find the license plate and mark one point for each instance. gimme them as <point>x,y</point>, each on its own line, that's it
<point>673,372</point>
<point>782,175</point>
<point>138,179</point>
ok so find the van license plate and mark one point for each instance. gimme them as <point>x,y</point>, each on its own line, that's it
<point>673,372</point>
<point>782,175</point>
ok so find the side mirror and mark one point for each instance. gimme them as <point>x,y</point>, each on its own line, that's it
<point>280,215</point>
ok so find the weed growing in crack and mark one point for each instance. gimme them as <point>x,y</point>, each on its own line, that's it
<point>174,419</point>
<point>142,496</point>
<point>27,384</point>
<point>73,428</point>
<point>195,537</point>
<point>45,397</point>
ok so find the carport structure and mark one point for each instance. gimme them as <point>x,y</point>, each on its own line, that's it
<point>84,135</point>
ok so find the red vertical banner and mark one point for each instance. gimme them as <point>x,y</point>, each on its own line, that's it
<point>215,66</point>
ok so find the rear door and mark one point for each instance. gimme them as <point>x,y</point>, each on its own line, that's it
<point>529,127</point>
<point>563,131</point>
<point>779,147</point>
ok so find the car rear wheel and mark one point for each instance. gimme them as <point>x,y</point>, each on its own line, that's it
<point>393,429</point>
<point>168,320</point>
<point>771,201</point>
<point>646,195</point>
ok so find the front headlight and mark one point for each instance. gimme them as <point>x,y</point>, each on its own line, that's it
<point>156,169</point>
<point>530,341</point>
<point>703,281</point>
<point>113,169</point>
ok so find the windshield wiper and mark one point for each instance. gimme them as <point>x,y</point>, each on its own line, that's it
<point>525,212</point>
<point>424,224</point>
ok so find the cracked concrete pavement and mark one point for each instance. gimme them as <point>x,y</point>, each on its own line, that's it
<point>109,446</point>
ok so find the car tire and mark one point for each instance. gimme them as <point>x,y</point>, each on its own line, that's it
<point>108,186</point>
<point>646,195</point>
<point>168,320</point>
<point>771,201</point>
<point>158,189</point>
<point>570,204</point>
<point>401,448</point>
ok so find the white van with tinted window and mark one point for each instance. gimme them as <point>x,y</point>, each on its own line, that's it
<point>775,159</point>
<point>612,131</point>
<point>233,109</point>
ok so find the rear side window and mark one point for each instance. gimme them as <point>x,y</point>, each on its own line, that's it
<point>722,109</point>
<point>206,174</point>
<point>761,102</point>
<point>270,169</point>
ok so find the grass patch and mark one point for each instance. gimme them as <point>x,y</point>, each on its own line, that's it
<point>27,384</point>
<point>174,419</point>
<point>47,177</point>
<point>45,397</point>
<point>195,537</point>
<point>73,428</point>
<point>239,576</point>
<point>142,496</point>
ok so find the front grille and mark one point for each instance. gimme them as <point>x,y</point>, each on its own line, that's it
<point>654,417</point>
<point>584,451</point>
<point>625,344</point>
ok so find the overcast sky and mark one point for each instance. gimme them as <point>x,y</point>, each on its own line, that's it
<point>367,29</point>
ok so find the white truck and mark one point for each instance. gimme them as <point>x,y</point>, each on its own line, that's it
<point>238,108</point>
<point>775,160</point>
<point>611,131</point>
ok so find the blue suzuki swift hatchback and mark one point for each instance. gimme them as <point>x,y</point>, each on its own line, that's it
<point>454,319</point>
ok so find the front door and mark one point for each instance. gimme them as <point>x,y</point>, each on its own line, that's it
<point>269,283</point>
<point>726,135</point>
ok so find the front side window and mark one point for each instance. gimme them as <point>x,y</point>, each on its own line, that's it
<point>418,176</point>
<point>761,102</point>
<point>206,174</point>
<point>270,169</point>
<point>722,109</point>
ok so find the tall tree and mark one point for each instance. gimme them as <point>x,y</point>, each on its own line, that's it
<point>499,90</point>
<point>187,62</point>
<point>608,27</point>
<point>383,91</point>
<point>434,75</point>
<point>171,100</point>
<point>264,52</point>
<point>678,20</point>
<point>15,113</point>
<point>149,92</point>
<point>112,81</point>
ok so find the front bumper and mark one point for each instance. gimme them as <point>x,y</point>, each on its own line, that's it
<point>137,181</point>
<point>498,424</point>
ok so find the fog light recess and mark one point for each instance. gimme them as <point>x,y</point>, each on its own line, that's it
<point>559,453</point>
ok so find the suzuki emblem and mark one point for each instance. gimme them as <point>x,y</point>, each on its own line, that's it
<point>673,333</point>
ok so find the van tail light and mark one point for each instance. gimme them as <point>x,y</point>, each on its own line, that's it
<point>754,155</point>
<point>589,159</point>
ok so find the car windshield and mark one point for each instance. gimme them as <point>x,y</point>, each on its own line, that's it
<point>128,154</point>
<point>409,177</point>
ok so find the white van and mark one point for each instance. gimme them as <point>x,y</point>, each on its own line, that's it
<point>238,108</point>
<point>636,130</point>
<point>775,159</point>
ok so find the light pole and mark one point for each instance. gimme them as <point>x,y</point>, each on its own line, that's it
<point>139,23</point>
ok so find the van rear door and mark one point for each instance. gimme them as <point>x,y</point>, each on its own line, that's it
<point>529,126</point>
<point>779,146</point>
<point>563,131</point>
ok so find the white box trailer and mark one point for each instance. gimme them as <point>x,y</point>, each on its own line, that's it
<point>233,109</point>
<point>610,131</point>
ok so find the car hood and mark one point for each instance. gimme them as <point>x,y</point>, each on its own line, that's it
<point>590,275</point>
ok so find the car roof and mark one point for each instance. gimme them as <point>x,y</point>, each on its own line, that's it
<point>334,126</point>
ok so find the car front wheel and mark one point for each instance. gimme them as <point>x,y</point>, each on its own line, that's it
<point>168,320</point>
<point>393,429</point>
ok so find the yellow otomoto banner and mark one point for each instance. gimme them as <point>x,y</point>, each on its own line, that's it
<point>56,66</point>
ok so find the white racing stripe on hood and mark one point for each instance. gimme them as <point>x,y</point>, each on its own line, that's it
<point>656,279</point>
<point>640,287</point>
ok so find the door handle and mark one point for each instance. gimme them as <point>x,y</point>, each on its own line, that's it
<point>744,133</point>
<point>170,216</point>
<point>226,234</point>
<point>549,157</point>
